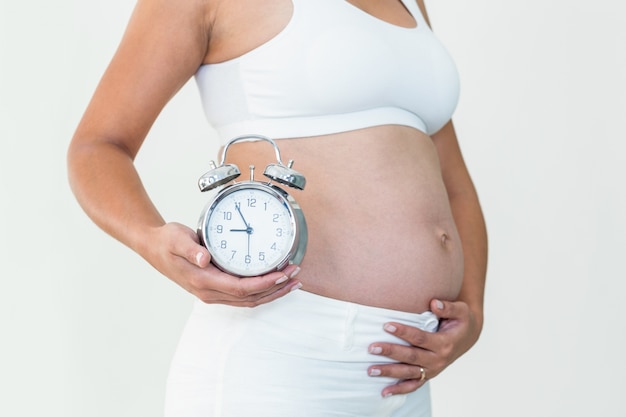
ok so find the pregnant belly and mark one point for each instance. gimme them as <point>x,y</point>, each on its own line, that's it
<point>395,265</point>
<point>381,231</point>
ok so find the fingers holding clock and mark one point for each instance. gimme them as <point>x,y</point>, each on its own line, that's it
<point>213,286</point>
<point>253,291</point>
<point>216,287</point>
<point>178,254</point>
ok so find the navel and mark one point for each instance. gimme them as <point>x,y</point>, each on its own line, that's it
<point>444,239</point>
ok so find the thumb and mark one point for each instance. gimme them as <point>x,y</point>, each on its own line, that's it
<point>200,257</point>
<point>193,251</point>
<point>187,245</point>
<point>446,309</point>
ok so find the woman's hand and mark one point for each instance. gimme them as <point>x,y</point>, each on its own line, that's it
<point>428,354</point>
<point>176,252</point>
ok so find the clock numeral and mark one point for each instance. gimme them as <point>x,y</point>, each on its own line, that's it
<point>220,228</point>
<point>223,244</point>
<point>279,232</point>
<point>275,218</point>
<point>228,215</point>
<point>261,256</point>
<point>273,247</point>
<point>252,202</point>
<point>248,259</point>
<point>234,252</point>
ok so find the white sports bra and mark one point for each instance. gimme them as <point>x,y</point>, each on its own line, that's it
<point>332,69</point>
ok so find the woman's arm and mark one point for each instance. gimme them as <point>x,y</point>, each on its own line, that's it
<point>462,319</point>
<point>469,220</point>
<point>164,44</point>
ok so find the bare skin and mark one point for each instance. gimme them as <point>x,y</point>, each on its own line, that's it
<point>396,224</point>
<point>382,232</point>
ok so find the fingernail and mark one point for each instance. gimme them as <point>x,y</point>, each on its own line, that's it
<point>296,287</point>
<point>282,279</point>
<point>387,395</point>
<point>198,258</point>
<point>390,328</point>
<point>439,304</point>
<point>374,372</point>
<point>376,350</point>
<point>295,272</point>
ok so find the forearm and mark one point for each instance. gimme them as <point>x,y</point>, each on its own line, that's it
<point>472,230</point>
<point>461,320</point>
<point>104,180</point>
<point>468,217</point>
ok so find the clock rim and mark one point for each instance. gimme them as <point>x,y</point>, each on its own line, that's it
<point>299,239</point>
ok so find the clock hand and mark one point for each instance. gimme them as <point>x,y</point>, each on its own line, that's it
<point>238,208</point>
<point>248,228</point>
<point>249,242</point>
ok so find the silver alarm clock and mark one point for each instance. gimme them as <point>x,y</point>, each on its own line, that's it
<point>252,227</point>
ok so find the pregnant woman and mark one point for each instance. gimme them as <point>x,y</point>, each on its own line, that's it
<point>360,93</point>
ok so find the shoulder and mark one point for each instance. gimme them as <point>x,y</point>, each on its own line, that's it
<point>173,23</point>
<point>196,11</point>
<point>238,26</point>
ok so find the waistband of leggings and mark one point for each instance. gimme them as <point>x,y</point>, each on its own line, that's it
<point>307,307</point>
<point>426,320</point>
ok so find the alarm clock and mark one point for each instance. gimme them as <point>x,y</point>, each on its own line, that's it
<point>251,228</point>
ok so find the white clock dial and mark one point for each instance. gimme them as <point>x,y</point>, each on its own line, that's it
<point>250,231</point>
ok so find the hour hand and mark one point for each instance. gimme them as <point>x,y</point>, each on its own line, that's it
<point>249,230</point>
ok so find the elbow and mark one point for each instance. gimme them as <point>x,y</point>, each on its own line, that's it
<point>79,157</point>
<point>72,162</point>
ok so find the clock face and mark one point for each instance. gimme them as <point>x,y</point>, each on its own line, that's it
<point>250,231</point>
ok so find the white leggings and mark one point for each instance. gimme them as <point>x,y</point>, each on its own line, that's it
<point>302,355</point>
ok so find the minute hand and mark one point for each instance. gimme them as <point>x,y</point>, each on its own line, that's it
<point>238,208</point>
<point>248,228</point>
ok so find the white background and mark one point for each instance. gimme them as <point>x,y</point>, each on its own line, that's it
<point>87,328</point>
